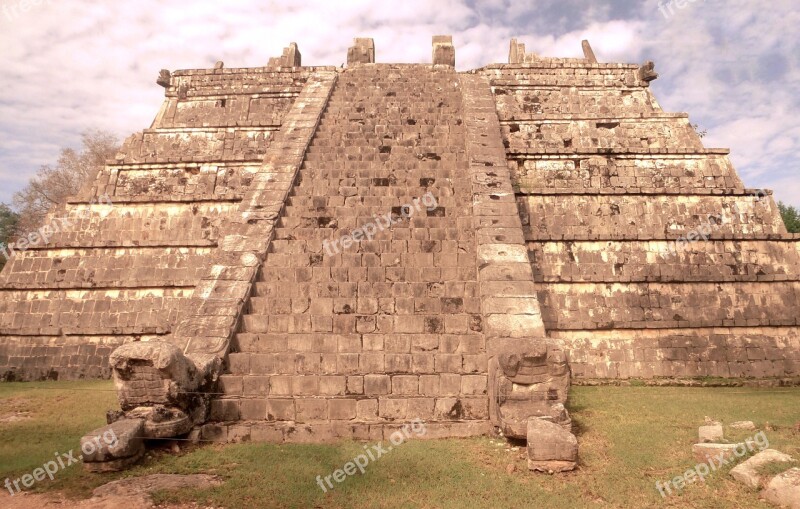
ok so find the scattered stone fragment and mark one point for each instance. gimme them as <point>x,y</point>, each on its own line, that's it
<point>784,489</point>
<point>114,446</point>
<point>135,492</point>
<point>550,447</point>
<point>745,425</point>
<point>705,453</point>
<point>747,472</point>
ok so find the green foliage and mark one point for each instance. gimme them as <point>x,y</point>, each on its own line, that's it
<point>8,225</point>
<point>791,217</point>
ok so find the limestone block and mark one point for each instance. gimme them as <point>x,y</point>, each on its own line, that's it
<point>362,51</point>
<point>747,471</point>
<point>705,453</point>
<point>115,465</point>
<point>444,53</point>
<point>711,433</point>
<point>550,447</point>
<point>164,78</point>
<point>784,490</point>
<point>588,53</point>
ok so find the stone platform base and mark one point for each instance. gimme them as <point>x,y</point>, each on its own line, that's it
<point>689,382</point>
<point>290,432</point>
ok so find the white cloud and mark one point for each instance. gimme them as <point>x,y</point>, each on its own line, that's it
<point>75,65</point>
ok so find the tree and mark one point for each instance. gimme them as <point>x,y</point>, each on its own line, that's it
<point>8,224</point>
<point>791,217</point>
<point>52,185</point>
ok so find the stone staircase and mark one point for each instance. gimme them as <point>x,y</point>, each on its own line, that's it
<point>383,329</point>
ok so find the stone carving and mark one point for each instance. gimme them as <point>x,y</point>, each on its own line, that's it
<point>444,53</point>
<point>361,52</point>
<point>219,65</point>
<point>167,390</point>
<point>164,77</point>
<point>647,71</point>
<point>529,380</point>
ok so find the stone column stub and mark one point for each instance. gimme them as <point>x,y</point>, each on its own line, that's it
<point>362,51</point>
<point>444,53</point>
<point>290,57</point>
<point>588,52</point>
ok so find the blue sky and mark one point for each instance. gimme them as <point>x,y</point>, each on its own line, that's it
<point>71,66</point>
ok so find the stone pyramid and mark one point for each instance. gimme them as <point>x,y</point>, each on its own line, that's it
<point>295,253</point>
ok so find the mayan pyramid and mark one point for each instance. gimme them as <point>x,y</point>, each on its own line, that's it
<point>547,218</point>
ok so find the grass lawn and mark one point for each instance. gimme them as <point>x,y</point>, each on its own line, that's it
<point>629,438</point>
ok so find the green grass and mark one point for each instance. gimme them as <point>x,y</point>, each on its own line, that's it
<point>54,415</point>
<point>629,437</point>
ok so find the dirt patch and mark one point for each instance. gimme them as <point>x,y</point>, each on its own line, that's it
<point>133,493</point>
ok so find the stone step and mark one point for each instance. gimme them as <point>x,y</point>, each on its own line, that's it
<point>361,324</point>
<point>468,343</point>
<point>358,361</point>
<point>449,302</point>
<point>359,409</point>
<point>395,282</point>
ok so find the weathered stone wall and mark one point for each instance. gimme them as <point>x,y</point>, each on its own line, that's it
<point>592,306</point>
<point>621,173</point>
<point>646,216</point>
<point>55,357</point>
<point>664,261</point>
<point>724,352</point>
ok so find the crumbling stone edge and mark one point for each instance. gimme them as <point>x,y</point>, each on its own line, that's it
<point>165,387</point>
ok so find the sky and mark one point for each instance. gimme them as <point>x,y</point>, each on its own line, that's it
<point>70,66</point>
